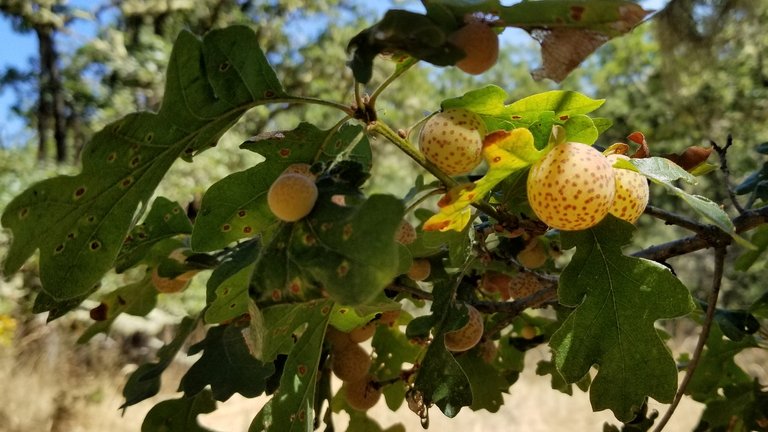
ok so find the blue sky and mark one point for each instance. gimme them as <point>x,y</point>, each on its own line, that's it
<point>17,50</point>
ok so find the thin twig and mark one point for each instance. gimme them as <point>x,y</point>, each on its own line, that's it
<point>717,280</point>
<point>511,310</point>
<point>401,69</point>
<point>722,153</point>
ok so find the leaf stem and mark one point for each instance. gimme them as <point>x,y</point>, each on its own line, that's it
<point>717,279</point>
<point>400,70</point>
<point>314,101</point>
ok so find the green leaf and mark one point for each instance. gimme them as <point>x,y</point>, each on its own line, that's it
<point>144,382</point>
<point>617,299</point>
<point>349,251</point>
<point>135,299</point>
<point>742,408</point>
<point>580,128</point>
<point>179,415</point>
<point>292,407</point>
<point>440,379</point>
<point>545,367</point>
<point>393,349</point>
<point>281,326</point>
<point>486,101</point>
<point>236,206</point>
<point>538,112</point>
<point>57,308</point>
<point>611,17</point>
<point>226,365</point>
<point>484,380</point>
<point>717,368</point>
<point>79,222</point>
<point>760,239</point>
<point>562,103</point>
<point>662,171</point>
<point>401,30</point>
<point>228,285</point>
<point>165,220</point>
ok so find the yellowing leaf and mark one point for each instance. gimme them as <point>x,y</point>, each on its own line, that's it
<point>505,152</point>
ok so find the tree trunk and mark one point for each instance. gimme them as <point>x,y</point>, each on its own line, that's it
<point>52,107</point>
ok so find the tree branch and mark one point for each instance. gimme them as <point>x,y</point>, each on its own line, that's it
<point>670,218</point>
<point>746,221</point>
<point>717,280</point>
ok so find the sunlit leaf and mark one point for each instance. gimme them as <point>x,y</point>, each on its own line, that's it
<point>617,300</point>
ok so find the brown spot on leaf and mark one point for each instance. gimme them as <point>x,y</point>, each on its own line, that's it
<point>577,12</point>
<point>99,313</point>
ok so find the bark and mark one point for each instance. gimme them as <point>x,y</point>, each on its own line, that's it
<point>52,108</point>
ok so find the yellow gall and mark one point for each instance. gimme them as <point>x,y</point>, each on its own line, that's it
<point>524,284</point>
<point>406,233</point>
<point>469,335</point>
<point>480,44</point>
<point>362,394</point>
<point>453,140</point>
<point>572,187</point>
<point>631,192</point>
<point>350,362</point>
<point>292,196</point>
<point>420,269</point>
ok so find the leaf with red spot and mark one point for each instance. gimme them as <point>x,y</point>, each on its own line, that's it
<point>505,152</point>
<point>136,299</point>
<point>236,206</point>
<point>348,251</point>
<point>296,330</point>
<point>79,223</point>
